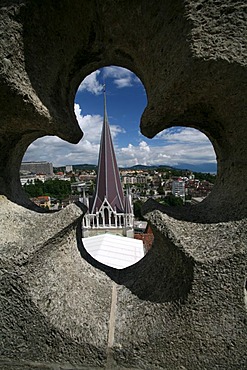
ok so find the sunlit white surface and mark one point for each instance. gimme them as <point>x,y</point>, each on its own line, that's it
<point>113,250</point>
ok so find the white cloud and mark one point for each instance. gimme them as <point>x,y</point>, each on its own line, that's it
<point>91,84</point>
<point>60,152</point>
<point>122,77</point>
<point>171,147</point>
<point>123,82</point>
<point>132,155</point>
<point>184,145</point>
<point>183,135</point>
<point>91,125</point>
<point>144,146</point>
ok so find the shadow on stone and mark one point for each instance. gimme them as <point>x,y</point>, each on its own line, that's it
<point>165,273</point>
<point>28,335</point>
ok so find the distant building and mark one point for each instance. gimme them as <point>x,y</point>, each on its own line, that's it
<point>178,188</point>
<point>156,180</point>
<point>141,179</point>
<point>129,179</point>
<point>42,201</point>
<point>37,167</point>
<point>69,168</point>
<point>27,179</point>
<point>144,232</point>
<point>87,177</point>
<point>41,177</point>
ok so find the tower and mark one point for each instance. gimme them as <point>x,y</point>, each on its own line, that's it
<point>108,208</point>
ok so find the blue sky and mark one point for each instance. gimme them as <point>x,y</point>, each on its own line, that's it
<point>126,100</point>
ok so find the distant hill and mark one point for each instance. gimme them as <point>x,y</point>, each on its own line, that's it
<point>143,167</point>
<point>84,166</point>
<point>140,167</point>
<point>203,167</point>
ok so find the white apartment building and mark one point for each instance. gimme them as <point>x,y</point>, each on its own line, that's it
<point>178,188</point>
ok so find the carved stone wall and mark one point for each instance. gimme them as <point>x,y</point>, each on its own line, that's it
<point>184,305</point>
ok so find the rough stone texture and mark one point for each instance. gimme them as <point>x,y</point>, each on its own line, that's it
<point>184,305</point>
<point>49,292</point>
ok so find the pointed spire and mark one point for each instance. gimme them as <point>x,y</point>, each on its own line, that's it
<point>127,203</point>
<point>105,110</point>
<point>108,179</point>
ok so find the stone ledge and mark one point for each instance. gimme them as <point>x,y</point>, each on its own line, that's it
<point>201,241</point>
<point>23,231</point>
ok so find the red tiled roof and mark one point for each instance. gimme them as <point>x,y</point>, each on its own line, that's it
<point>44,197</point>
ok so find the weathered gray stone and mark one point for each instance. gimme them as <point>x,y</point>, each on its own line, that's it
<point>184,305</point>
<point>49,292</point>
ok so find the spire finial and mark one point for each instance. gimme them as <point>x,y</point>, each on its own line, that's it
<point>105,111</point>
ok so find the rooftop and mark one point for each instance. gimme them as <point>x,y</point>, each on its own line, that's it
<point>114,250</point>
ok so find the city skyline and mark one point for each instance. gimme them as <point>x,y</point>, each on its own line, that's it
<point>126,100</point>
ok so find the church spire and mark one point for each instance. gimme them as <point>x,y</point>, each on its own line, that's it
<point>108,179</point>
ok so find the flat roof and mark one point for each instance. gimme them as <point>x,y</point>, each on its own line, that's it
<point>114,250</point>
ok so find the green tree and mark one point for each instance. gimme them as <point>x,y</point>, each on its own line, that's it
<point>171,200</point>
<point>160,190</point>
<point>205,176</point>
<point>34,190</point>
<point>56,188</point>
<point>137,210</point>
